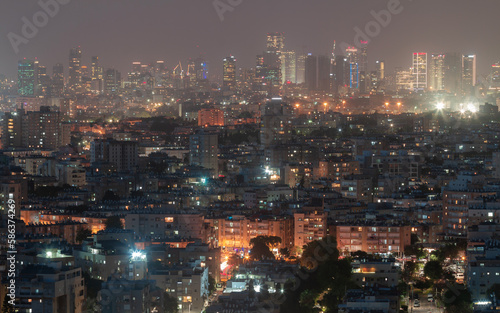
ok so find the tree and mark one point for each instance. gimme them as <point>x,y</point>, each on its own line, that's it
<point>109,195</point>
<point>6,306</point>
<point>433,270</point>
<point>409,271</point>
<point>260,251</point>
<point>113,222</point>
<point>169,303</point>
<point>457,299</point>
<point>415,250</point>
<point>495,288</point>
<point>251,289</point>
<point>319,251</point>
<point>211,284</point>
<point>262,245</point>
<point>285,252</point>
<point>82,234</point>
<point>359,254</point>
<point>308,300</point>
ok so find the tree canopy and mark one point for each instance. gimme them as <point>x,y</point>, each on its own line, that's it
<point>113,222</point>
<point>261,247</point>
<point>433,270</point>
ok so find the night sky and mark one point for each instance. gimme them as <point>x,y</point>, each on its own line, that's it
<point>120,32</point>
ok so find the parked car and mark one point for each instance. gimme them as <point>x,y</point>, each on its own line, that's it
<point>416,304</point>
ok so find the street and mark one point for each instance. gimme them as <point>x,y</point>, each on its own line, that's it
<point>425,306</point>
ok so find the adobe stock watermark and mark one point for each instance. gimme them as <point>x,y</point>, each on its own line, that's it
<point>31,27</point>
<point>373,28</point>
<point>224,6</point>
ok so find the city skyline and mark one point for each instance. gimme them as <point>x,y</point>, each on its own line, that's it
<point>305,33</point>
<point>248,156</point>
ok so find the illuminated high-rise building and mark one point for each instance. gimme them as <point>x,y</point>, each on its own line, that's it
<point>41,80</point>
<point>201,69</point>
<point>112,81</point>
<point>419,71</point>
<point>272,57</point>
<point>300,72</point>
<point>405,79</point>
<point>26,77</point>
<point>363,57</point>
<point>275,42</point>
<point>95,69</point>
<point>495,76</point>
<point>354,61</point>
<point>229,72</point>
<point>75,68</point>
<point>436,72</point>
<point>135,76</point>
<point>380,68</point>
<point>246,78</point>
<point>288,67</point>
<point>96,75</point>
<point>57,88</point>
<point>468,74</point>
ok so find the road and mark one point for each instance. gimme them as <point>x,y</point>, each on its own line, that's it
<point>426,306</point>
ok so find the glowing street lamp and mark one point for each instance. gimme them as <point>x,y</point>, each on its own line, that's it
<point>137,255</point>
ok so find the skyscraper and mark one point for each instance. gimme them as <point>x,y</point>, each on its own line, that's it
<point>41,79</point>
<point>112,80</point>
<point>300,72</point>
<point>353,59</point>
<point>57,80</point>
<point>453,73</point>
<point>201,69</point>
<point>341,73</point>
<point>495,76</point>
<point>229,72</point>
<point>380,68</point>
<point>275,42</point>
<point>405,79</point>
<point>363,58</point>
<point>96,75</point>
<point>436,72</point>
<point>324,69</point>
<point>95,69</point>
<point>288,67</point>
<point>272,57</point>
<point>468,74</point>
<point>419,71</point>
<point>26,77</point>
<point>311,72</point>
<point>75,71</point>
